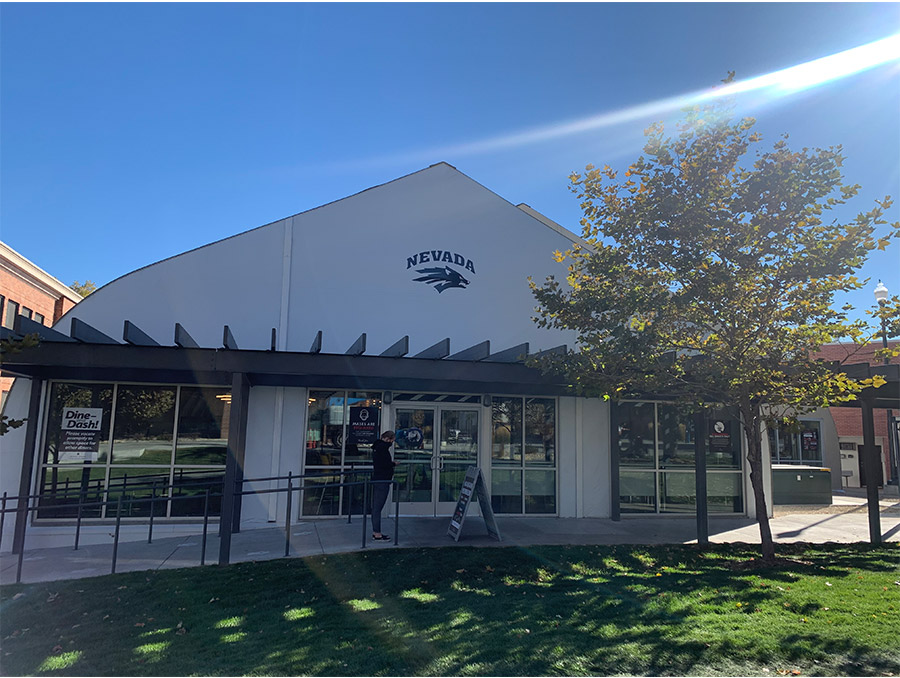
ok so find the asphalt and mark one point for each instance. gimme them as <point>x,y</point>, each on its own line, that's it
<point>845,521</point>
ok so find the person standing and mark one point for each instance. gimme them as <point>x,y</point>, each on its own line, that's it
<point>382,470</point>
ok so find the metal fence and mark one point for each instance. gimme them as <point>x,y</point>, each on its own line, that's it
<point>124,503</point>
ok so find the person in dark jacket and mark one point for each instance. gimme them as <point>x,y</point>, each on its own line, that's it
<point>382,469</point>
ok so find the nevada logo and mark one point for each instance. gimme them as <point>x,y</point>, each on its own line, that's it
<point>442,277</point>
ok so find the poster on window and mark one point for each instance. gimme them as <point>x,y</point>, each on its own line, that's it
<point>810,442</point>
<point>364,425</point>
<point>719,436</point>
<point>79,438</point>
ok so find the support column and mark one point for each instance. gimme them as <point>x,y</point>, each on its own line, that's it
<point>614,511</point>
<point>701,435</point>
<point>28,454</point>
<point>230,519</point>
<point>871,463</point>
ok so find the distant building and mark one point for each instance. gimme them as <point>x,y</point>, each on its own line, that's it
<point>848,420</point>
<point>26,289</point>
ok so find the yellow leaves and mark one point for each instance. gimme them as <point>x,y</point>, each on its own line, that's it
<point>558,256</point>
<point>883,243</point>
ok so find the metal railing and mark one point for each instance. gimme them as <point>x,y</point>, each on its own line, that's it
<point>123,503</point>
<point>290,489</point>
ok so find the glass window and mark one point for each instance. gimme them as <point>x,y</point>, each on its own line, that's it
<point>145,423</point>
<point>12,310</point>
<point>676,437</point>
<point>724,493</point>
<point>523,440</point>
<point>362,425</point>
<point>723,448</point>
<point>540,432</point>
<point>63,486</point>
<point>635,434</point>
<point>71,437</point>
<point>810,449</point>
<point>677,492</point>
<point>796,444</point>
<point>540,491</point>
<point>39,318</point>
<point>203,415</point>
<point>76,460</point>
<point>506,490</point>
<point>324,428</point>
<point>27,312</point>
<point>637,493</point>
<point>506,432</point>
<point>321,493</point>
<point>657,459</point>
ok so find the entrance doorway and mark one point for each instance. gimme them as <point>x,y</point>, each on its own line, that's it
<point>435,445</point>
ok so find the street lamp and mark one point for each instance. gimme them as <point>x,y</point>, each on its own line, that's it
<point>881,296</point>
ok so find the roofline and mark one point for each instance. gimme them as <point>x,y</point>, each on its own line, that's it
<point>39,274</point>
<point>549,223</point>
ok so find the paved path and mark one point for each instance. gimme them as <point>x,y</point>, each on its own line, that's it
<point>845,522</point>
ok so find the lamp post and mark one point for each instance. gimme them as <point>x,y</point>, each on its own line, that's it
<point>881,295</point>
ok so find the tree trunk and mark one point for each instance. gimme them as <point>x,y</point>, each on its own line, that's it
<point>752,420</point>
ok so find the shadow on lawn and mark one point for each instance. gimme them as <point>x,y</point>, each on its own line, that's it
<point>502,611</point>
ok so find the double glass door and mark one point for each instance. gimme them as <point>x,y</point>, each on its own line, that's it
<point>435,444</point>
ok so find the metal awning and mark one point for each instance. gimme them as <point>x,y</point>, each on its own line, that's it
<point>88,354</point>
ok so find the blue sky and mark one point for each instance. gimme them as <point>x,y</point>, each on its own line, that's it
<point>134,132</point>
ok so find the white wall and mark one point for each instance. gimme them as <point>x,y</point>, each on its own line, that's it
<point>594,479</point>
<point>343,269</point>
<point>275,441</point>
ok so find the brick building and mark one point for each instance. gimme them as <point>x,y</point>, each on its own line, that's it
<point>26,289</point>
<point>848,420</point>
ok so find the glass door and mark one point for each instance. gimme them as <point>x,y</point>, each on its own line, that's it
<point>434,446</point>
<point>458,451</point>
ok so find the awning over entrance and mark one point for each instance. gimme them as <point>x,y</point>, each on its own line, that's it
<point>87,354</point>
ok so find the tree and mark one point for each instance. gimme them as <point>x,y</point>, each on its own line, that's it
<point>14,346</point>
<point>85,288</point>
<point>711,282</point>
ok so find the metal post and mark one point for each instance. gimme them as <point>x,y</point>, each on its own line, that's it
<point>19,565</point>
<point>116,539</point>
<point>205,528</point>
<point>2,518</point>
<point>152,505</point>
<point>700,437</point>
<point>365,512</point>
<point>78,527</point>
<point>395,486</point>
<point>871,464</point>
<point>287,517</point>
<point>350,496</point>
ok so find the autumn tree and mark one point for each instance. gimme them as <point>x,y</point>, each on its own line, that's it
<point>85,288</point>
<point>710,276</point>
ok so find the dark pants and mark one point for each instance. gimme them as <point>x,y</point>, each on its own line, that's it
<point>380,490</point>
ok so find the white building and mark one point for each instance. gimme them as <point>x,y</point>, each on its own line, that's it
<point>288,348</point>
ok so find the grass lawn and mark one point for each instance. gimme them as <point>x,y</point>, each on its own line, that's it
<point>587,610</point>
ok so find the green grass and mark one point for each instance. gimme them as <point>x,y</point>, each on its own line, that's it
<point>473,611</point>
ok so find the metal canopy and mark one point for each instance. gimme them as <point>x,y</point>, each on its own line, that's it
<point>474,370</point>
<point>885,397</point>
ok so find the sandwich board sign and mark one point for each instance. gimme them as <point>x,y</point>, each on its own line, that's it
<point>473,483</point>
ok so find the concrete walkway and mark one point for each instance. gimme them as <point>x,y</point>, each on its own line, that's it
<point>846,521</point>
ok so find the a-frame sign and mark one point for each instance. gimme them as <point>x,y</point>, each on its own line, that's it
<point>473,483</point>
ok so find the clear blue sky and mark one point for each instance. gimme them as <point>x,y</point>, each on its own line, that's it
<point>134,132</point>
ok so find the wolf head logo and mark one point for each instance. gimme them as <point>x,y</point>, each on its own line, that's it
<point>441,278</point>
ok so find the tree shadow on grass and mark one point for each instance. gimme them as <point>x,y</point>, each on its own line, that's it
<point>501,611</point>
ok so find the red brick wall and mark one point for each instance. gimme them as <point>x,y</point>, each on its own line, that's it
<point>27,295</point>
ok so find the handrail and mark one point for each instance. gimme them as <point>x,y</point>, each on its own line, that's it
<point>24,504</point>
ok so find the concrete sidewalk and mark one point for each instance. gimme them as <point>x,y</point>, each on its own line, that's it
<point>844,522</point>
